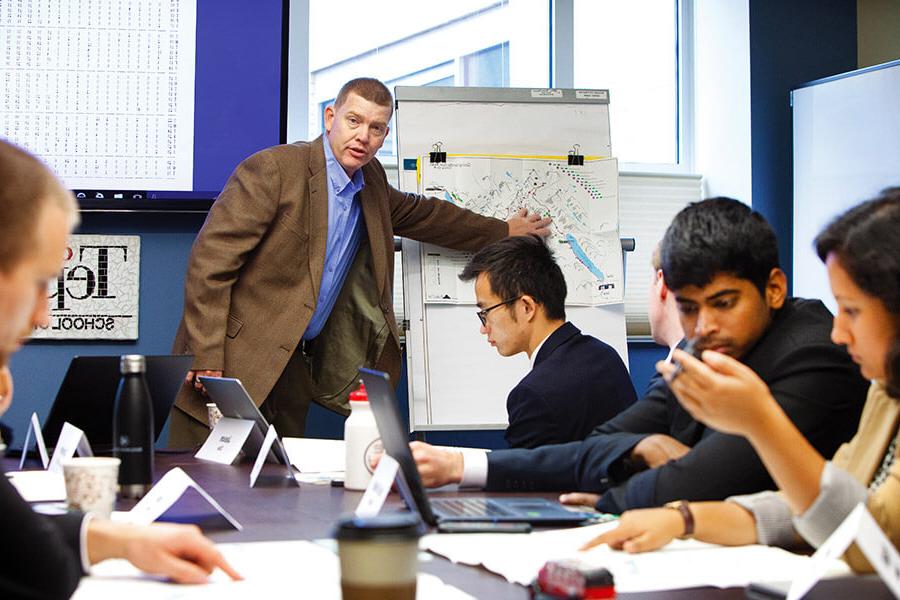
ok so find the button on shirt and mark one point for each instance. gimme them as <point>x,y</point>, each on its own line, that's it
<point>344,232</point>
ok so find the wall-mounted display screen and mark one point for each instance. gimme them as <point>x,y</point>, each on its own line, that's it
<point>143,104</point>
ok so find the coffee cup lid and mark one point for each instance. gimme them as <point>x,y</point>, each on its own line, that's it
<point>392,526</point>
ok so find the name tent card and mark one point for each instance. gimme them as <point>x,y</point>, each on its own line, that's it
<point>34,428</point>
<point>71,440</point>
<point>225,440</point>
<point>859,527</point>
<point>378,488</point>
<point>163,495</point>
<point>268,441</point>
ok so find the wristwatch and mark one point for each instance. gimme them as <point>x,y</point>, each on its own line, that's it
<point>683,507</point>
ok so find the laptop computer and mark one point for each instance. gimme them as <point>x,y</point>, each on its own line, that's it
<point>538,511</point>
<point>87,396</point>
<point>233,401</point>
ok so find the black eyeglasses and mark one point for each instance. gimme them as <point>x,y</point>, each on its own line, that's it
<point>482,314</point>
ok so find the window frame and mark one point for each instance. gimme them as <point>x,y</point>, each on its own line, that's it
<point>561,74</point>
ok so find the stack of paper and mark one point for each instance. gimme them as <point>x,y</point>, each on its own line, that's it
<point>681,564</point>
<point>319,461</point>
<point>270,570</point>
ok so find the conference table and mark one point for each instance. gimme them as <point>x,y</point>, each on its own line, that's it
<point>275,509</point>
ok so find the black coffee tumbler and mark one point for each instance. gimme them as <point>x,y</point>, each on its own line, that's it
<point>133,428</point>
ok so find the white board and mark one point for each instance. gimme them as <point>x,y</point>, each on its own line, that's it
<point>846,150</point>
<point>456,380</point>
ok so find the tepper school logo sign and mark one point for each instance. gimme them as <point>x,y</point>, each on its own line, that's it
<point>96,294</point>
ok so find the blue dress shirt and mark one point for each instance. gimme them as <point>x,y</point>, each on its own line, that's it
<point>344,232</point>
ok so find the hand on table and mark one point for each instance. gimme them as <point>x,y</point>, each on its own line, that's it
<point>658,449</point>
<point>580,499</point>
<point>437,467</point>
<point>642,530</point>
<point>180,552</point>
<point>191,379</point>
<point>719,391</point>
<point>528,224</point>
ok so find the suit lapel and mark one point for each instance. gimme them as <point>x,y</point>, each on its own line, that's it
<point>318,213</point>
<point>372,214</point>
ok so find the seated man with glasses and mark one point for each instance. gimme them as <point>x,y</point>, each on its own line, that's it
<point>720,260</point>
<point>576,381</point>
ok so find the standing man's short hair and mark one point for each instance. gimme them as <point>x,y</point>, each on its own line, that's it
<point>521,265</point>
<point>28,186</point>
<point>718,235</point>
<point>367,88</point>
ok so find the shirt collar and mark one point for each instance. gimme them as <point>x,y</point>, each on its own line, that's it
<point>337,175</point>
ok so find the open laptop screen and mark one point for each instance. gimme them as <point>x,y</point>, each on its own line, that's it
<point>87,396</point>
<point>393,435</point>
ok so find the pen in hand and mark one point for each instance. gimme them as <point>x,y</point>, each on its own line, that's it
<point>693,348</point>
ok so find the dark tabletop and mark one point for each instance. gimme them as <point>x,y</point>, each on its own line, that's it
<point>277,510</point>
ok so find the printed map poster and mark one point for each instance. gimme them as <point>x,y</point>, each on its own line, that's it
<point>95,296</point>
<point>582,200</point>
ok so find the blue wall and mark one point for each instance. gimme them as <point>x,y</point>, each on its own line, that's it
<point>790,43</point>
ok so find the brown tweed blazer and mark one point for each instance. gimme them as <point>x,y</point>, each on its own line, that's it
<point>255,269</point>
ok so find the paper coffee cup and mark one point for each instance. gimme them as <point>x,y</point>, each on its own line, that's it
<point>91,483</point>
<point>213,415</point>
<point>379,557</point>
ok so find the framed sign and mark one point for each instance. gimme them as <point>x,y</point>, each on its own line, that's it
<point>96,295</point>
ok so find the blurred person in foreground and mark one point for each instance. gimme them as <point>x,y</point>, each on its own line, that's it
<point>47,555</point>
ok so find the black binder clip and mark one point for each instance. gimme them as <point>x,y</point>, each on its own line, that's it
<point>436,155</point>
<point>576,159</point>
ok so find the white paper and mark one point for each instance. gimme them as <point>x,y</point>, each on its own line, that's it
<point>163,495</point>
<point>271,435</point>
<point>378,488</point>
<point>39,486</point>
<point>681,564</point>
<point>84,447</point>
<point>582,201</point>
<point>34,428</point>
<point>859,527</point>
<point>316,456</point>
<point>70,441</point>
<point>225,441</point>
<point>879,550</point>
<point>270,570</point>
<point>323,478</point>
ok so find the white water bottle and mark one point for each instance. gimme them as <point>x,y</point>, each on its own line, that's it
<point>361,439</point>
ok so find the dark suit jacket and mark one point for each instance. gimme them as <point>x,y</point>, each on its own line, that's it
<point>42,557</point>
<point>812,379</point>
<point>256,266</point>
<point>577,383</point>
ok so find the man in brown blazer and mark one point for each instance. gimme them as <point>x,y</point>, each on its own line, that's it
<point>289,283</point>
